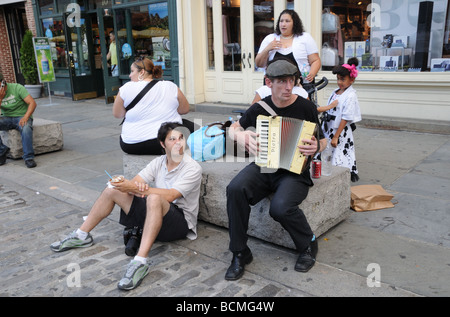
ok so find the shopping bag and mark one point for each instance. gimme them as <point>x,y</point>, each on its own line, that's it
<point>208,142</point>
<point>330,22</point>
<point>370,197</point>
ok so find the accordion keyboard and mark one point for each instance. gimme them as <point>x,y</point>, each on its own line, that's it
<point>262,128</point>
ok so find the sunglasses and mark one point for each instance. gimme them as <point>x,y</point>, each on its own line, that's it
<point>141,59</point>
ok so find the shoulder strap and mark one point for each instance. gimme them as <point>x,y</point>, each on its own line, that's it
<point>140,96</point>
<point>267,108</point>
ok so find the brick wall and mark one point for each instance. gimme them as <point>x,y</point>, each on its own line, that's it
<point>6,62</point>
<point>30,16</point>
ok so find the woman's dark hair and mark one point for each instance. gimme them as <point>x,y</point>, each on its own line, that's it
<point>298,25</point>
<point>148,65</point>
<point>166,127</point>
<point>342,71</point>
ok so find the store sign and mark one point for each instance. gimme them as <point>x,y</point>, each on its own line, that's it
<point>43,52</point>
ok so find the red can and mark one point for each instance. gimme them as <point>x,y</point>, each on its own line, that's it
<point>316,169</point>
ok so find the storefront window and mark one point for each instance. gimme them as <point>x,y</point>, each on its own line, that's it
<point>80,49</point>
<point>54,30</point>
<point>386,35</point>
<point>210,34</point>
<point>47,7</point>
<point>231,18</point>
<point>264,21</point>
<point>62,4</point>
<point>143,31</point>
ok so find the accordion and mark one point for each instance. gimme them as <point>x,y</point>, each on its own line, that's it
<point>279,138</point>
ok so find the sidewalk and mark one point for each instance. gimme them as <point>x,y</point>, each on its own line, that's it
<point>409,243</point>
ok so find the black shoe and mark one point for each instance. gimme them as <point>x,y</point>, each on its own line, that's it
<point>240,260</point>
<point>307,259</point>
<point>30,163</point>
<point>3,156</point>
<point>354,177</point>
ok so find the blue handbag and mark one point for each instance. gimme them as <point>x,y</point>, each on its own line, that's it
<point>208,143</point>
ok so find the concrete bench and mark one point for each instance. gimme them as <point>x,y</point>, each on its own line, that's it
<point>327,204</point>
<point>47,137</point>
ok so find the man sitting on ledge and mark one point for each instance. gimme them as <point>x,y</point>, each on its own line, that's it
<point>289,189</point>
<point>166,212</point>
<point>17,108</point>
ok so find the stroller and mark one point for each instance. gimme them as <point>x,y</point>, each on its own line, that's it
<point>313,88</point>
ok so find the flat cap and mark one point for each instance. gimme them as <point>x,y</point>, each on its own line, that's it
<point>281,68</point>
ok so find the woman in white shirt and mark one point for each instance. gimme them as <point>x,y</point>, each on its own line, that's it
<point>163,103</point>
<point>291,41</point>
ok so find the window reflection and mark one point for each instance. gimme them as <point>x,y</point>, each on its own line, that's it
<point>80,49</point>
<point>384,35</point>
<point>264,21</point>
<point>231,21</point>
<point>210,34</point>
<point>47,7</point>
<point>54,29</point>
<point>147,35</point>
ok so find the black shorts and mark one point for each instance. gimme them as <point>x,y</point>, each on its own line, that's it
<point>174,226</point>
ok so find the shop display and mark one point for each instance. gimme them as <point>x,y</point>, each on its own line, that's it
<point>390,63</point>
<point>330,56</point>
<point>413,33</point>
<point>440,65</point>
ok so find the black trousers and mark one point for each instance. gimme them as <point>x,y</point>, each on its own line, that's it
<point>250,186</point>
<point>153,146</point>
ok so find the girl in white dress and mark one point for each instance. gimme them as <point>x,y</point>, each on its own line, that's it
<point>340,117</point>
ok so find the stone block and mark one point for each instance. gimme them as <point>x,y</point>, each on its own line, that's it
<point>327,204</point>
<point>47,137</point>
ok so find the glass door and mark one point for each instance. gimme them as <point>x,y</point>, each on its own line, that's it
<point>110,52</point>
<point>242,26</point>
<point>80,55</point>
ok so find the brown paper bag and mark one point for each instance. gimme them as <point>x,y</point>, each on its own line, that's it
<point>370,197</point>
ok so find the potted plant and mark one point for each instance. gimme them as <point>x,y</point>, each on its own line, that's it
<point>29,67</point>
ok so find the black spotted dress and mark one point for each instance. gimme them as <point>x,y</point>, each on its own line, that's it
<point>347,109</point>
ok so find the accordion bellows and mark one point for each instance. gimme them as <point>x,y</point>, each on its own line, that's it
<point>279,138</point>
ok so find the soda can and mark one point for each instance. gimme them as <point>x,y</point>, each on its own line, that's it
<point>316,169</point>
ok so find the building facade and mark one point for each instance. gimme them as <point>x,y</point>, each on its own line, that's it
<point>208,47</point>
<point>16,16</point>
<point>403,75</point>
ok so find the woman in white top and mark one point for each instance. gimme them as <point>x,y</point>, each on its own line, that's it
<point>163,103</point>
<point>291,41</point>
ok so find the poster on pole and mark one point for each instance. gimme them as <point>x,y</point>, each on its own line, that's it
<point>44,62</point>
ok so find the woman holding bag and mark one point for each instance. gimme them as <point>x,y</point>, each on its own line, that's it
<point>164,102</point>
<point>291,41</point>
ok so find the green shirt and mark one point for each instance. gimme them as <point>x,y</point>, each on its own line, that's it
<point>13,104</point>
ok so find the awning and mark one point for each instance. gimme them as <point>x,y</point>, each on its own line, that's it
<point>3,2</point>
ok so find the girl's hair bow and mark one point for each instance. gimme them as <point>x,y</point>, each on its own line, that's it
<point>352,69</point>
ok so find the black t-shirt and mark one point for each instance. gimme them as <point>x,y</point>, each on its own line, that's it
<point>302,109</point>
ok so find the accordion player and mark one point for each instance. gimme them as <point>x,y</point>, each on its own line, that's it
<point>279,138</point>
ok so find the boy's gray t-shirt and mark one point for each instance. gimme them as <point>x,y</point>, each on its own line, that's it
<point>185,178</point>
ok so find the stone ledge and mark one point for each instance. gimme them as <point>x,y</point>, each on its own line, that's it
<point>327,204</point>
<point>47,137</point>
